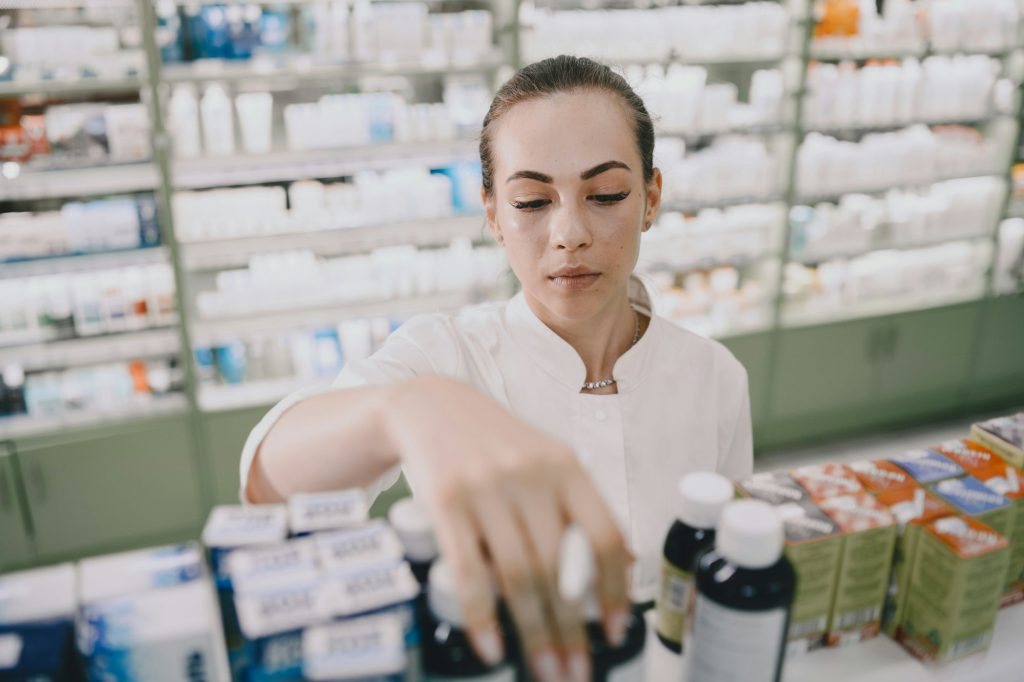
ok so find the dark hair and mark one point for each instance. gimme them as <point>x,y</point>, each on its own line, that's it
<point>565,73</point>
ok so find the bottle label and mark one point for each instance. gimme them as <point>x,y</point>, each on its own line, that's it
<point>675,601</point>
<point>633,671</point>
<point>506,674</point>
<point>730,645</point>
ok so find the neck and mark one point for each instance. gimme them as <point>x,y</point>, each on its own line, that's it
<point>600,339</point>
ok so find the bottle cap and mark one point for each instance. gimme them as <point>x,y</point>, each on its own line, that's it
<point>412,523</point>
<point>576,568</point>
<point>703,495</point>
<point>750,534</point>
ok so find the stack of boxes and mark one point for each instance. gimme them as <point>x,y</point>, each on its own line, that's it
<point>925,546</point>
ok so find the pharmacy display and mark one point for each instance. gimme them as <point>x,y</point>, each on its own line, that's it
<point>924,547</point>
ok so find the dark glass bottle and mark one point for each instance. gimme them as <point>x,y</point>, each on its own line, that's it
<point>702,495</point>
<point>624,663</point>
<point>744,592</point>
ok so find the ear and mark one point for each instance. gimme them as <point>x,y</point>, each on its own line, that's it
<point>653,199</point>
<point>490,214</point>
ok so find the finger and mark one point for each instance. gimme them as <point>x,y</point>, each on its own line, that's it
<point>520,577</point>
<point>541,516</point>
<point>459,542</point>
<point>585,506</point>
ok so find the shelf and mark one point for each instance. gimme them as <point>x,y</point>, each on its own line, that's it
<point>739,60</point>
<point>695,137</point>
<point>93,350</point>
<point>893,127</point>
<point>25,426</point>
<point>232,253</point>
<point>854,253</point>
<point>792,316</point>
<point>65,88</point>
<point>208,172</point>
<point>224,397</point>
<point>697,206</point>
<point>306,69</point>
<point>309,318</point>
<point>83,262</point>
<point>75,182</point>
<point>63,4</point>
<point>708,263</point>
<point>882,191</point>
<point>862,56</point>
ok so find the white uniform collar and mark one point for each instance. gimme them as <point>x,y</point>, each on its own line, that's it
<point>553,354</point>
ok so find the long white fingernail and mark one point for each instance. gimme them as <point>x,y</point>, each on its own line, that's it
<point>578,668</point>
<point>490,646</point>
<point>546,666</point>
<point>617,628</point>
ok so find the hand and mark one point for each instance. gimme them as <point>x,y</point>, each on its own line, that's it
<point>500,494</point>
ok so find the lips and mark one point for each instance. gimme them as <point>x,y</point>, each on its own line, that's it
<point>573,278</point>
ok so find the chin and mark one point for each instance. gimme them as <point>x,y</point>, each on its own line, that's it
<point>571,305</point>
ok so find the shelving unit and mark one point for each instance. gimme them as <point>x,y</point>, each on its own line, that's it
<point>827,395</point>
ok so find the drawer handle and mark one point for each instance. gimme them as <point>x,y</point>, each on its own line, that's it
<point>5,492</point>
<point>38,481</point>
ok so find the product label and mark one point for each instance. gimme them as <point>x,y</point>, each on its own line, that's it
<point>260,567</point>
<point>827,480</point>
<point>879,475</point>
<point>674,601</point>
<point>236,525</point>
<point>372,589</point>
<point>355,549</point>
<point>927,466</point>
<point>968,454</point>
<point>323,511</point>
<point>730,645</point>
<point>633,671</point>
<point>356,648</point>
<point>970,495</point>
<point>287,607</point>
<point>774,488</point>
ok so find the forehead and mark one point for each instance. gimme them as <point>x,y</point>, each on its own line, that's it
<point>563,135</point>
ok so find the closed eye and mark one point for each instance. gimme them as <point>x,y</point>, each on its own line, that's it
<point>609,198</point>
<point>529,205</point>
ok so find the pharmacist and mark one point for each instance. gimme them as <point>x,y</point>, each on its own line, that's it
<point>572,402</point>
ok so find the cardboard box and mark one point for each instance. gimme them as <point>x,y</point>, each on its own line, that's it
<point>1005,436</point>
<point>927,466</point>
<point>971,497</point>
<point>37,624</point>
<point>774,488</point>
<point>969,454</point>
<point>1008,481</point>
<point>913,508</point>
<point>954,589</point>
<point>826,481</point>
<point>879,475</point>
<point>814,545</point>
<point>869,538</point>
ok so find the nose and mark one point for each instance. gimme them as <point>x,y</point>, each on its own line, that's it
<point>569,230</point>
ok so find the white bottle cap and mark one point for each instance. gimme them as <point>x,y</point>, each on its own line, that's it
<point>703,495</point>
<point>412,523</point>
<point>750,534</point>
<point>576,568</point>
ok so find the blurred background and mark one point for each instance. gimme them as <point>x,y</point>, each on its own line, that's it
<point>207,205</point>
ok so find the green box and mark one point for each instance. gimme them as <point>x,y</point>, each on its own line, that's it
<point>914,508</point>
<point>814,545</point>
<point>954,589</point>
<point>868,542</point>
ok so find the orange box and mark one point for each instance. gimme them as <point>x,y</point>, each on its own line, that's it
<point>827,481</point>
<point>969,454</point>
<point>879,475</point>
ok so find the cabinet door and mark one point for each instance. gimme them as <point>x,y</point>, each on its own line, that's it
<point>824,370</point>
<point>927,358</point>
<point>754,351</point>
<point>225,434</point>
<point>999,371</point>
<point>112,488</point>
<point>15,545</point>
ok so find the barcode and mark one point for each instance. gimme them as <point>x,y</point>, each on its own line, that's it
<point>677,591</point>
<point>970,645</point>
<point>806,627</point>
<point>855,618</point>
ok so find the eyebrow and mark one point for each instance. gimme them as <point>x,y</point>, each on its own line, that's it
<point>585,175</point>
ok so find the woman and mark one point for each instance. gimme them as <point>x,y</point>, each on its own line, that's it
<point>571,403</point>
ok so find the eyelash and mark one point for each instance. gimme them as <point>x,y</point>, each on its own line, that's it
<point>603,199</point>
